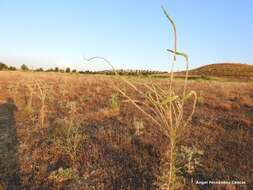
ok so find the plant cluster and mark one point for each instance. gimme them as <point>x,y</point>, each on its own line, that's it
<point>165,108</point>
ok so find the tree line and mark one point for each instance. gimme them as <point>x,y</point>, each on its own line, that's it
<point>24,67</point>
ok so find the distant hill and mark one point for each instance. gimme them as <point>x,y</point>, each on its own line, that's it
<point>230,71</point>
<point>224,70</point>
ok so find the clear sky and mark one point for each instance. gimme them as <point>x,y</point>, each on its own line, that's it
<point>131,33</point>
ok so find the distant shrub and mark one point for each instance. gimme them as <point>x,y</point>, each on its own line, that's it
<point>67,70</point>
<point>11,68</point>
<point>3,66</point>
<point>49,70</point>
<point>24,67</point>
<point>39,70</point>
<point>56,69</point>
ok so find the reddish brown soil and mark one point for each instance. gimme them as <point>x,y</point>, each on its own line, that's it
<point>111,154</point>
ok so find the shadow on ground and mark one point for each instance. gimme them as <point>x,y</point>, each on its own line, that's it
<point>9,169</point>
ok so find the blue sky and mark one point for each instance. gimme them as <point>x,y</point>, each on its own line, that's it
<point>131,33</point>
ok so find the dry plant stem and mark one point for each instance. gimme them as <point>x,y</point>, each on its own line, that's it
<point>114,70</point>
<point>42,97</point>
<point>30,89</point>
<point>165,108</point>
<point>174,60</point>
<point>178,107</point>
<point>194,94</point>
<point>138,107</point>
<point>123,93</point>
<point>172,139</point>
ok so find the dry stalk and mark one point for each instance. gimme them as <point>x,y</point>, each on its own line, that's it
<point>165,109</point>
<point>42,96</point>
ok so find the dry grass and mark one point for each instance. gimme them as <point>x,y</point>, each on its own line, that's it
<point>115,151</point>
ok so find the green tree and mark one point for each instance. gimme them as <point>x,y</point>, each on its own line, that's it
<point>67,70</point>
<point>24,67</point>
<point>3,66</point>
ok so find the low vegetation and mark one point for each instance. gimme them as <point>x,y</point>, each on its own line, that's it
<point>100,147</point>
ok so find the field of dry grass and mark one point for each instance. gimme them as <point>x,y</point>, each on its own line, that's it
<point>71,131</point>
